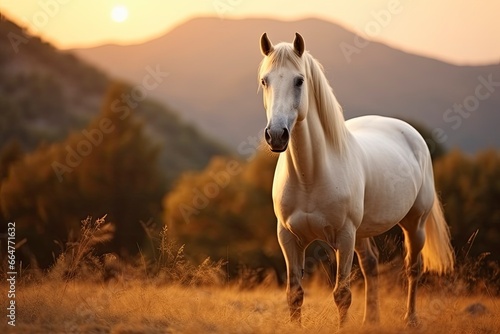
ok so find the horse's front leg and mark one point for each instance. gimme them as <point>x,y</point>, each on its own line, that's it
<point>368,259</point>
<point>344,253</point>
<point>293,252</point>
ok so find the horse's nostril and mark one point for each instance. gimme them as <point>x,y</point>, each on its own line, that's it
<point>286,135</point>
<point>267,135</point>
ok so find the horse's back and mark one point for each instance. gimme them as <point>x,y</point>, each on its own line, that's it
<point>396,165</point>
<point>388,136</point>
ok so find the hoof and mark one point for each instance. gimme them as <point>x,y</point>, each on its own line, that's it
<point>296,316</point>
<point>412,321</point>
<point>371,321</point>
<point>476,309</point>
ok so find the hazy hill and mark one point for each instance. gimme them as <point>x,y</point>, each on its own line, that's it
<point>43,93</point>
<point>46,93</point>
<point>212,65</point>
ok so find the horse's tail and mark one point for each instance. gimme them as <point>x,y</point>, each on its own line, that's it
<point>437,254</point>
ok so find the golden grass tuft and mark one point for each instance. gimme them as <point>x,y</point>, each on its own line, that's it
<point>171,295</point>
<point>141,306</point>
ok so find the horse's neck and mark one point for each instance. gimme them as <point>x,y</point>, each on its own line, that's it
<point>306,156</point>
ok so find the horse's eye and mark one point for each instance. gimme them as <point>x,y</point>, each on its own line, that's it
<point>263,82</point>
<point>299,82</point>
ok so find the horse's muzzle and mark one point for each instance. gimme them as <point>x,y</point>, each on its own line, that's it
<point>277,139</point>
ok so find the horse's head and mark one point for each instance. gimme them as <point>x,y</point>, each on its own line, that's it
<point>283,80</point>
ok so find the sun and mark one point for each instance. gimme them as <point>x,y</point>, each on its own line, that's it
<point>119,13</point>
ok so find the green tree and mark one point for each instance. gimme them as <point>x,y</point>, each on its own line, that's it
<point>108,168</point>
<point>121,176</point>
<point>470,192</point>
<point>225,212</point>
<point>9,154</point>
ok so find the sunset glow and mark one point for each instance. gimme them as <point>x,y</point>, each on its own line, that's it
<point>119,13</point>
<point>415,27</point>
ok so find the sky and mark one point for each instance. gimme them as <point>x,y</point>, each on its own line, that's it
<point>456,31</point>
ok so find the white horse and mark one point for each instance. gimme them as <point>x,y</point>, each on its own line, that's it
<point>345,182</point>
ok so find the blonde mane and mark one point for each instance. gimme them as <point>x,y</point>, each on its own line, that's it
<point>329,110</point>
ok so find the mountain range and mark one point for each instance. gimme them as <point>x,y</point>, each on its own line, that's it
<point>46,94</point>
<point>212,66</point>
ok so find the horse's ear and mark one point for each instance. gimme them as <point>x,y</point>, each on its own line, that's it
<point>298,44</point>
<point>266,47</point>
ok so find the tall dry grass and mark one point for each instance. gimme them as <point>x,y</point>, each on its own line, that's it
<point>166,293</point>
<point>145,307</point>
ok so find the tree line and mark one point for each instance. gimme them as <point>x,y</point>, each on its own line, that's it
<point>109,168</point>
<point>224,211</point>
<point>238,222</point>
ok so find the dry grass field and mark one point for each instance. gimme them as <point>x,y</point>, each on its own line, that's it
<point>172,295</point>
<point>140,306</point>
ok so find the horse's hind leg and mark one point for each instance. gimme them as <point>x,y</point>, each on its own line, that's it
<point>368,258</point>
<point>294,258</point>
<point>413,228</point>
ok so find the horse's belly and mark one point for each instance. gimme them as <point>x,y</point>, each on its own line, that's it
<point>382,212</point>
<point>371,228</point>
